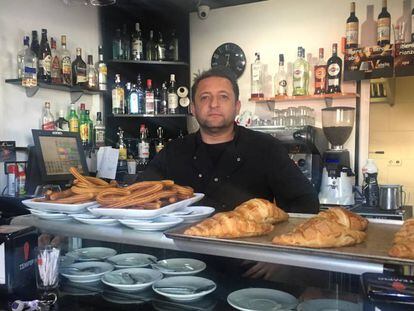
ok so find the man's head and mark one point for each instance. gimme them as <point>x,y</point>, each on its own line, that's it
<point>215,100</point>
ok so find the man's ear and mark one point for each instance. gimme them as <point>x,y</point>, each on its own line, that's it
<point>238,106</point>
<point>192,108</point>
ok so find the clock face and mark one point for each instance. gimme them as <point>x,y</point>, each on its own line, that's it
<point>229,55</point>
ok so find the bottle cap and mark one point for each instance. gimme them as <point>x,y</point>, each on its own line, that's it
<point>12,169</point>
<point>82,106</point>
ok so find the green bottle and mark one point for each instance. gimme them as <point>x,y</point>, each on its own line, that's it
<point>73,119</point>
<point>83,126</point>
<point>90,127</point>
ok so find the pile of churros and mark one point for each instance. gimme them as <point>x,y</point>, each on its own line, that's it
<point>141,195</point>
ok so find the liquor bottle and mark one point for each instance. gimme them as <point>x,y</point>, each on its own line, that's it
<point>172,99</point>
<point>102,71</point>
<point>257,72</point>
<point>20,57</point>
<point>384,26</point>
<point>83,126</point>
<point>136,46</point>
<point>300,74</point>
<point>121,145</point>
<point>143,147</point>
<point>281,78</point>
<point>79,69</point>
<point>149,98</point>
<point>133,100</point>
<point>163,108</point>
<point>29,78</point>
<point>370,186</point>
<point>160,47</point>
<point>90,127</point>
<point>320,74</point>
<point>334,72</point>
<point>157,100</point>
<point>126,43</point>
<point>55,71</point>
<point>352,29</point>
<point>117,52</point>
<point>35,46</point>
<point>127,90</point>
<point>99,131</point>
<point>65,63</point>
<point>150,50</point>
<point>92,75</point>
<point>172,50</point>
<point>307,72</point>
<point>61,123</point>
<point>160,142</point>
<point>48,121</point>
<point>73,119</point>
<point>44,59</point>
<point>118,96</point>
<point>141,96</point>
<point>412,25</point>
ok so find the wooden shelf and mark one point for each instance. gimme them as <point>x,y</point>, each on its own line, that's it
<point>304,98</point>
<point>149,115</point>
<point>148,62</point>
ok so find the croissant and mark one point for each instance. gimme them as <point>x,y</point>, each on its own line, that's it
<point>228,225</point>
<point>344,217</point>
<point>402,250</point>
<point>261,210</point>
<point>319,232</point>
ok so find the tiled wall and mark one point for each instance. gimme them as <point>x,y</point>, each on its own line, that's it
<point>392,131</point>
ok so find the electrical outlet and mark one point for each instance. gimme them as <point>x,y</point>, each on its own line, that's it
<point>394,162</point>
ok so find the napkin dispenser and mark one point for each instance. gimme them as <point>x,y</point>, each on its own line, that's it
<point>17,257</point>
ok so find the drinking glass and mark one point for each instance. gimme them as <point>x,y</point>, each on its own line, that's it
<point>47,268</point>
<point>399,32</point>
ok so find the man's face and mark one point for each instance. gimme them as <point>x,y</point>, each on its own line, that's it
<point>215,106</point>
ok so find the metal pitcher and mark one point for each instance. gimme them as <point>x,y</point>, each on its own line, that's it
<point>391,197</point>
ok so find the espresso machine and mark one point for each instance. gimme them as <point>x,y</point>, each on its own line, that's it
<point>337,177</point>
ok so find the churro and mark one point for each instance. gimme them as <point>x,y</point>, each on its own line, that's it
<point>75,199</point>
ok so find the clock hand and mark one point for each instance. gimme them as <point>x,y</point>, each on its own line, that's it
<point>227,60</point>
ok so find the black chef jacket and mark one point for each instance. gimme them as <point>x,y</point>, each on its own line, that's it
<point>253,165</point>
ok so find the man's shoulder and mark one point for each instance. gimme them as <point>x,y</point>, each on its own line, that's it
<point>182,143</point>
<point>258,137</point>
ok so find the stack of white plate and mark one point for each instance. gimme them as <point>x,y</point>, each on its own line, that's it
<point>156,224</point>
<point>193,213</point>
<point>132,279</point>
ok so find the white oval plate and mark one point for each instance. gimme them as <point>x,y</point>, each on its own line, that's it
<point>261,299</point>
<point>193,213</point>
<point>179,266</point>
<point>91,253</point>
<point>49,216</point>
<point>97,221</point>
<point>328,304</point>
<point>183,281</point>
<point>56,207</point>
<point>131,260</point>
<point>144,277</point>
<point>156,224</point>
<point>83,277</point>
<point>142,213</point>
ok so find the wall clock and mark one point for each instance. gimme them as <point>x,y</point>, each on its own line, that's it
<point>229,55</point>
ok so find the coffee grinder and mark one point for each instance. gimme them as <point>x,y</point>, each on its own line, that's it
<point>337,177</point>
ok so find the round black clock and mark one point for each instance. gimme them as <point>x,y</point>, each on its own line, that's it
<point>229,55</point>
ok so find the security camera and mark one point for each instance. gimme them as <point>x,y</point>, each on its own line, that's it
<point>203,11</point>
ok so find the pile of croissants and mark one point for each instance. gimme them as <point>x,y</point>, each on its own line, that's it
<point>403,243</point>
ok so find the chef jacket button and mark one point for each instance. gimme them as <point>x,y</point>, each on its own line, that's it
<point>195,158</point>
<point>223,205</point>
<point>200,175</point>
<point>228,176</point>
<point>216,179</point>
<point>238,159</point>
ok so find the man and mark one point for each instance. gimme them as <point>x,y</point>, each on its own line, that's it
<point>228,163</point>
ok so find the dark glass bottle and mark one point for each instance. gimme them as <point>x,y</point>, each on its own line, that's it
<point>35,46</point>
<point>352,29</point>
<point>172,50</point>
<point>412,25</point>
<point>150,48</point>
<point>79,69</point>
<point>141,96</point>
<point>45,58</point>
<point>334,72</point>
<point>384,26</point>
<point>126,43</point>
<point>164,99</point>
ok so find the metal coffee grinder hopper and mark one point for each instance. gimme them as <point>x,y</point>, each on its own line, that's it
<point>337,177</point>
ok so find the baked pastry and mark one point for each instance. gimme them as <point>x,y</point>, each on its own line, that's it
<point>320,232</point>
<point>261,210</point>
<point>402,250</point>
<point>344,217</point>
<point>228,225</point>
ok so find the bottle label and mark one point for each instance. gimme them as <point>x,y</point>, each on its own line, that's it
<point>320,77</point>
<point>74,125</point>
<point>81,75</point>
<point>99,138</point>
<point>149,103</point>
<point>133,103</point>
<point>117,98</point>
<point>143,150</point>
<point>333,70</point>
<point>29,77</point>
<point>48,126</point>
<point>298,73</point>
<point>136,48</point>
<point>55,68</point>
<point>172,100</point>
<point>122,153</point>
<point>102,76</point>
<point>298,78</point>
<point>66,65</point>
<point>333,82</point>
<point>383,29</point>
<point>256,72</point>
<point>158,147</point>
<point>84,132</point>
<point>282,87</point>
<point>352,33</point>
<point>46,64</point>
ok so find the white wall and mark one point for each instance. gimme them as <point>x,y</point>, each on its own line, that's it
<point>280,26</point>
<point>18,113</point>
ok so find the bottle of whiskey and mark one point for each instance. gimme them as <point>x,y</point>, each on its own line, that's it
<point>35,46</point>
<point>160,47</point>
<point>79,69</point>
<point>118,96</point>
<point>352,29</point>
<point>136,45</point>
<point>102,71</point>
<point>99,131</point>
<point>149,98</point>
<point>117,52</point>
<point>126,43</point>
<point>384,26</point>
<point>281,78</point>
<point>300,74</point>
<point>55,70</point>
<point>172,96</point>
<point>73,119</point>
<point>151,51</point>
<point>45,59</point>
<point>143,147</point>
<point>83,126</point>
<point>320,74</point>
<point>65,63</point>
<point>61,123</point>
<point>257,78</point>
<point>48,121</point>
<point>121,145</point>
<point>92,75</point>
<point>90,127</point>
<point>334,72</point>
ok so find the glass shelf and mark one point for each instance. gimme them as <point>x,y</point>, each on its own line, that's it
<point>149,115</point>
<point>148,62</point>
<point>304,98</point>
